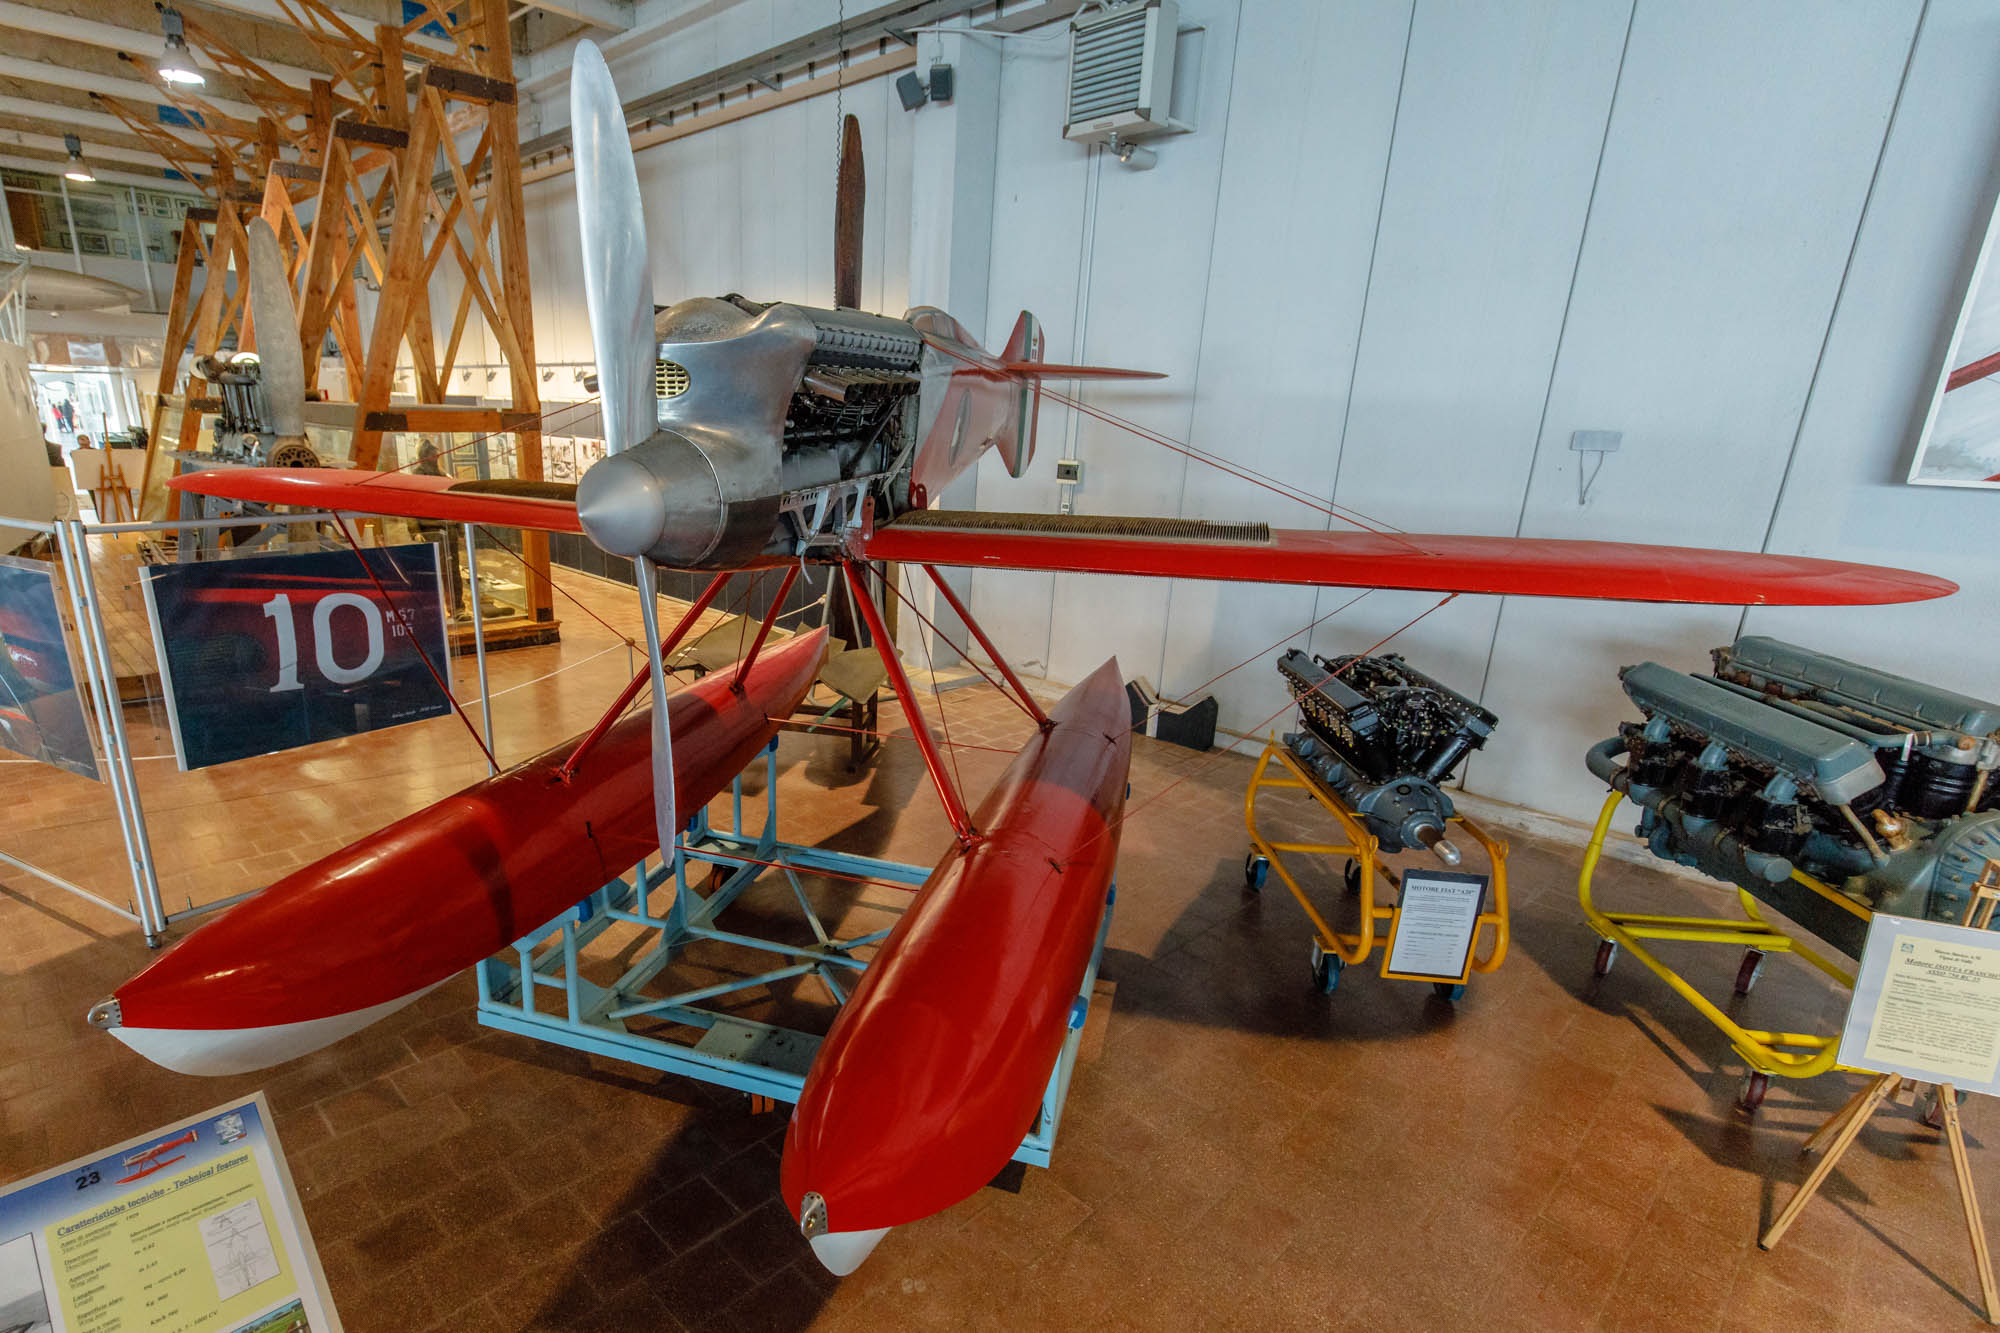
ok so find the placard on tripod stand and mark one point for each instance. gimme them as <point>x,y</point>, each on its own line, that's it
<point>1925,1008</point>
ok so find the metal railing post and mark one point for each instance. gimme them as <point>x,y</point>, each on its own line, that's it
<point>74,551</point>
<point>479,645</point>
<point>140,837</point>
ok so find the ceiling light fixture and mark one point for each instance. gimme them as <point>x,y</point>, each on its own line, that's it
<point>177,65</point>
<point>78,170</point>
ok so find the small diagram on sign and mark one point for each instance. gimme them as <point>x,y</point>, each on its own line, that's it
<point>229,1128</point>
<point>239,1249</point>
<point>24,1307</point>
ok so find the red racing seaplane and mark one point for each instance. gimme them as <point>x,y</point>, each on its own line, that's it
<point>743,435</point>
<point>142,1164</point>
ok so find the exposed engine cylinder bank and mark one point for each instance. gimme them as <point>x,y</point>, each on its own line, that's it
<point>1786,759</point>
<point>244,430</point>
<point>1386,738</point>
<point>755,402</point>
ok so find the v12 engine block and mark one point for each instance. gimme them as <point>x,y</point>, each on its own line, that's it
<point>1786,759</point>
<point>1386,738</point>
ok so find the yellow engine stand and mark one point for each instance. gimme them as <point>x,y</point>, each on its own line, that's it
<point>1334,951</point>
<point>1790,1054</point>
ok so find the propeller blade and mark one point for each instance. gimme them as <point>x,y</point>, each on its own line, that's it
<point>850,201</point>
<point>664,815</point>
<point>617,276</point>
<point>277,323</point>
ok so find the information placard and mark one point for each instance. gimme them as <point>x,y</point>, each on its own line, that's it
<point>194,1228</point>
<point>1926,1004</point>
<point>267,653</point>
<point>41,709</point>
<point>1435,922</point>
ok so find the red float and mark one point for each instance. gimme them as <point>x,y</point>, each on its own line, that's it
<point>934,1070</point>
<point>358,934</point>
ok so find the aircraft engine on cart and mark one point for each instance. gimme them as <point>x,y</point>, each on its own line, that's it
<point>1787,759</point>
<point>1386,737</point>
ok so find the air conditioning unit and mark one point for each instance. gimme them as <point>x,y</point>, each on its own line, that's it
<point>1121,72</point>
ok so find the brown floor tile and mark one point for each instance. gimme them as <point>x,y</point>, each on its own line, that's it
<point>1554,1152</point>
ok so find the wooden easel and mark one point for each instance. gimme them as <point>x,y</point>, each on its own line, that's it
<point>1846,1124</point>
<point>112,497</point>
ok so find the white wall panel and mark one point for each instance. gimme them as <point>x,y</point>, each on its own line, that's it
<point>1307,149</point>
<point>1146,295</point>
<point>1041,192</point>
<point>1503,114</point>
<point>744,207</point>
<point>1741,146</point>
<point>1843,496</point>
<point>1497,140</point>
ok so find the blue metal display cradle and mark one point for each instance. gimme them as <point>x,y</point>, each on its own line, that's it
<point>752,1057</point>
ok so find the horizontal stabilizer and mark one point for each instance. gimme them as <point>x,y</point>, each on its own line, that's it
<point>1511,566</point>
<point>1055,370</point>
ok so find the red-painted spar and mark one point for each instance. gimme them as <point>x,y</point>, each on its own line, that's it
<point>333,947</point>
<point>934,1071</point>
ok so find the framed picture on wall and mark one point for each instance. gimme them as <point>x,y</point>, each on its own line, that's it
<point>1960,445</point>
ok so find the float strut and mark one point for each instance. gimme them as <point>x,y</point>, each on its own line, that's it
<point>638,682</point>
<point>954,808</point>
<point>763,630</point>
<point>1006,672</point>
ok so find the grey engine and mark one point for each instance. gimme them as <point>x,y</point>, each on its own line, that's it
<point>1785,758</point>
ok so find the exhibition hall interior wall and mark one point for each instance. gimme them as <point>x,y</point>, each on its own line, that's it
<point>745,207</point>
<point>1406,251</point>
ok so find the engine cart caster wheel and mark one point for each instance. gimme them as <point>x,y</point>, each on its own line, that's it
<point>1256,869</point>
<point>1453,991</point>
<point>1326,970</point>
<point>1934,1111</point>
<point>1751,968</point>
<point>1607,954</point>
<point>1350,875</point>
<point>1754,1088</point>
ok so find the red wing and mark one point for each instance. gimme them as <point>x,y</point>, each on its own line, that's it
<point>1526,567</point>
<point>550,506</point>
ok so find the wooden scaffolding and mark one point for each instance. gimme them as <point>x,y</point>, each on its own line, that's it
<point>366,179</point>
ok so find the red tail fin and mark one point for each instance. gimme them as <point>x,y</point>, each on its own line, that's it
<point>1024,347</point>
<point>1024,344</point>
<point>1022,357</point>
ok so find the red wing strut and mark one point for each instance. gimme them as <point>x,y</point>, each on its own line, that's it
<point>549,506</point>
<point>1522,567</point>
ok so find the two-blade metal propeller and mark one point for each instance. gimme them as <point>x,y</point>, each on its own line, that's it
<point>618,290</point>
<point>281,361</point>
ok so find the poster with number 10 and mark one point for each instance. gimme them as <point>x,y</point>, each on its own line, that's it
<point>268,653</point>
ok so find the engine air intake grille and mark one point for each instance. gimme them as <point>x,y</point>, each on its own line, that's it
<point>670,379</point>
<point>1089,525</point>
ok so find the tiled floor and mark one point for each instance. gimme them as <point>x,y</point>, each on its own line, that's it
<point>1555,1152</point>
